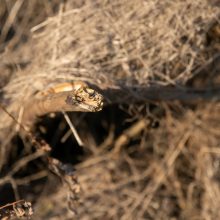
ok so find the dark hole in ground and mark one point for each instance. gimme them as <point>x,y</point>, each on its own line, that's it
<point>56,132</point>
<point>52,130</point>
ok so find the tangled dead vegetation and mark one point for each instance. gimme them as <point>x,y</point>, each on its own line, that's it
<point>141,160</point>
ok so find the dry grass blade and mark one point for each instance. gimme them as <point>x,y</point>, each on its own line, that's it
<point>74,131</point>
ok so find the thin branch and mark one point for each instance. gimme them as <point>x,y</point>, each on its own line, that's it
<point>74,131</point>
<point>136,94</point>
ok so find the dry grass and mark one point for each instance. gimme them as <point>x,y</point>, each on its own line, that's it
<point>168,172</point>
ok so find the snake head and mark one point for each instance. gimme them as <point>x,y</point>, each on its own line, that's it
<point>86,98</point>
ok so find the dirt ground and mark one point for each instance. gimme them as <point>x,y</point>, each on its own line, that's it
<point>153,152</point>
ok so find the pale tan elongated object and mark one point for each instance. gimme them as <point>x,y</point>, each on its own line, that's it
<point>70,97</point>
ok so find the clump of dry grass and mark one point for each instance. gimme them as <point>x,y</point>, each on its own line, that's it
<point>168,172</point>
<point>161,43</point>
<point>173,173</point>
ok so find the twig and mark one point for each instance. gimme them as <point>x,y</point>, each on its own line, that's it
<point>128,134</point>
<point>74,131</point>
<point>18,209</point>
<point>24,161</point>
<point>136,94</point>
<point>38,144</point>
<point>30,178</point>
<point>11,204</point>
